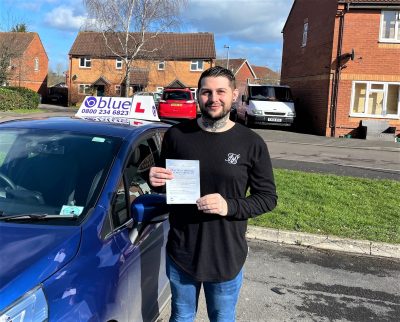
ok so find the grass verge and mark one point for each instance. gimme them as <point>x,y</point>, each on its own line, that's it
<point>25,111</point>
<point>348,207</point>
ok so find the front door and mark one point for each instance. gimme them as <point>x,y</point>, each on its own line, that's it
<point>100,90</point>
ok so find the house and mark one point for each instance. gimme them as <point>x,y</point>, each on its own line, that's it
<point>28,61</point>
<point>167,60</point>
<point>341,59</point>
<point>266,75</point>
<point>241,68</point>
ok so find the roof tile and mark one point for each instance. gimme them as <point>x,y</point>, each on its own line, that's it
<point>17,42</point>
<point>167,45</point>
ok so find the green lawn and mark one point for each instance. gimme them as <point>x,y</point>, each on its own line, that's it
<point>25,111</point>
<point>335,205</point>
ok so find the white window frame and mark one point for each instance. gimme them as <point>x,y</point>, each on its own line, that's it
<point>86,89</point>
<point>161,65</point>
<point>159,89</point>
<point>194,65</point>
<point>368,91</point>
<point>118,63</point>
<point>87,62</point>
<point>305,34</point>
<point>396,38</point>
<point>36,64</point>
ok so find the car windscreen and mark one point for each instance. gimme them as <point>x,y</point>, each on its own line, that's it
<point>52,173</point>
<point>270,93</point>
<point>177,95</point>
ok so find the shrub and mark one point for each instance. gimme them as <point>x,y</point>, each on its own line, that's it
<point>31,99</point>
<point>10,99</point>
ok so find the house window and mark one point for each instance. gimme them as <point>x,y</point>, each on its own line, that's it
<point>117,89</point>
<point>376,99</point>
<point>85,62</point>
<point>36,64</point>
<point>390,26</point>
<point>196,65</point>
<point>159,89</point>
<point>118,63</point>
<point>161,65</point>
<point>85,89</point>
<point>305,34</point>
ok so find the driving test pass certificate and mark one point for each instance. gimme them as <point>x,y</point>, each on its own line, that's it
<point>184,188</point>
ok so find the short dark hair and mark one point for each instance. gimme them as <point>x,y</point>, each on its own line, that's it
<point>218,71</point>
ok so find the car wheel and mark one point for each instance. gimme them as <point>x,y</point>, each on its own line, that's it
<point>247,121</point>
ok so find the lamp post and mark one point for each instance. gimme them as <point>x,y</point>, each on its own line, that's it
<point>227,56</point>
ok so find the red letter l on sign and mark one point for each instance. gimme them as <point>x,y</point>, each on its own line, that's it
<point>138,108</point>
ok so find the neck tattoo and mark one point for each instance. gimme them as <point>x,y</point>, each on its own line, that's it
<point>214,125</point>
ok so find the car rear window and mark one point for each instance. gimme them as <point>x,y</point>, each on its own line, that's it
<point>177,95</point>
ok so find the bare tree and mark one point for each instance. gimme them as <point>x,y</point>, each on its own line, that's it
<point>128,25</point>
<point>60,69</point>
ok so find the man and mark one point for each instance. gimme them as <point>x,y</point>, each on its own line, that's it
<point>206,243</point>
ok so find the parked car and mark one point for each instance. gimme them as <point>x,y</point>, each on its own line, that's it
<point>82,232</point>
<point>57,95</point>
<point>156,96</point>
<point>233,113</point>
<point>56,98</point>
<point>266,104</point>
<point>177,103</point>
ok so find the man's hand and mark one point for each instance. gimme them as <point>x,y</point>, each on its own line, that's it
<point>158,176</point>
<point>213,204</point>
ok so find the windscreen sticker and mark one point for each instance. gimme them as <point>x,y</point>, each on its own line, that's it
<point>97,139</point>
<point>71,210</point>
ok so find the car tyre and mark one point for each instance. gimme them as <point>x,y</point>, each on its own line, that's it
<point>247,121</point>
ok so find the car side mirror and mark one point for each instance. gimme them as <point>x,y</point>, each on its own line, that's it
<point>149,208</point>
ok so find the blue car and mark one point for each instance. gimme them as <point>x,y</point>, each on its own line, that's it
<point>82,234</point>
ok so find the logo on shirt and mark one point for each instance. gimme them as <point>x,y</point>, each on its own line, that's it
<point>232,158</point>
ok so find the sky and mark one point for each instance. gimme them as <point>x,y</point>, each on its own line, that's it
<point>251,28</point>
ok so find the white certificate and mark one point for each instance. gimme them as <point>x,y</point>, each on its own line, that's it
<point>184,188</point>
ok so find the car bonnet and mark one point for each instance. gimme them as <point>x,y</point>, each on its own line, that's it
<point>30,253</point>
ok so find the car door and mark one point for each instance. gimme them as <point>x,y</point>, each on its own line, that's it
<point>143,285</point>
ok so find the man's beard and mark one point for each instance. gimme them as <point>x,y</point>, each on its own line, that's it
<point>206,114</point>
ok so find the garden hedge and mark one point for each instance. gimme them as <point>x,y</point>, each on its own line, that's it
<point>12,98</point>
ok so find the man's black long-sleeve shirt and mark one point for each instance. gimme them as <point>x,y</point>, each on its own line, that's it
<point>208,247</point>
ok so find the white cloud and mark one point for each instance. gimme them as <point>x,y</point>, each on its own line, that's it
<point>256,21</point>
<point>63,18</point>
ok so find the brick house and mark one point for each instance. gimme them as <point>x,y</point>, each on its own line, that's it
<point>168,60</point>
<point>266,75</point>
<point>242,70</point>
<point>341,59</point>
<point>28,65</point>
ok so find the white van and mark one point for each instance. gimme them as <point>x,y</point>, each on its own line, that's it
<point>266,105</point>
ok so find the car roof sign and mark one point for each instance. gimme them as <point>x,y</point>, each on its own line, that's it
<point>137,107</point>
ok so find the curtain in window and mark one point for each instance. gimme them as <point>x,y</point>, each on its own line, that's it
<point>360,91</point>
<point>393,99</point>
<point>389,24</point>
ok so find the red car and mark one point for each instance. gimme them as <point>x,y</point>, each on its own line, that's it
<point>177,103</point>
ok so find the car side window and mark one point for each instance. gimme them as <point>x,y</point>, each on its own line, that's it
<point>135,179</point>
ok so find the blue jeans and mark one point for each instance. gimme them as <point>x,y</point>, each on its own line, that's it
<point>221,297</point>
